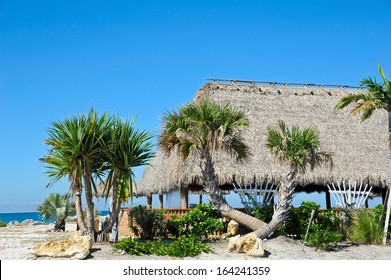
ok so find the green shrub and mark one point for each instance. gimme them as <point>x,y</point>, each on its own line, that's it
<point>263,213</point>
<point>2,224</point>
<point>150,223</point>
<point>324,239</point>
<point>183,247</point>
<point>200,221</point>
<point>187,246</point>
<point>377,212</point>
<point>365,228</point>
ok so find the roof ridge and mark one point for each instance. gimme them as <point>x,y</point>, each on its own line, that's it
<point>286,84</point>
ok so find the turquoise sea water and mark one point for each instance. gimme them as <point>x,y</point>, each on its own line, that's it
<point>20,217</point>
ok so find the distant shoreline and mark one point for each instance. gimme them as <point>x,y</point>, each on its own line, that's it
<point>22,216</point>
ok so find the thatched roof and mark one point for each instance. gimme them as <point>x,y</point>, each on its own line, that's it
<point>361,149</point>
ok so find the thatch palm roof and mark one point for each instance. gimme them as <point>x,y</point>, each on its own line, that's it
<point>361,149</point>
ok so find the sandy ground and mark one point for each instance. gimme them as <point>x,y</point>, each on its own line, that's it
<point>16,242</point>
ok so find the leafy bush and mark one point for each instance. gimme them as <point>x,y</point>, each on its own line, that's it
<point>183,247</point>
<point>200,221</point>
<point>365,228</point>
<point>187,246</point>
<point>2,224</point>
<point>263,213</point>
<point>378,211</point>
<point>324,239</point>
<point>150,223</point>
<point>297,222</point>
<point>324,232</point>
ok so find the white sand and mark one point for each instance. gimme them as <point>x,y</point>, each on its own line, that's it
<point>16,242</point>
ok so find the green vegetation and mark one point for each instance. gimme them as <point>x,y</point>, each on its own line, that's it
<point>86,147</point>
<point>324,232</point>
<point>201,221</point>
<point>365,228</point>
<point>57,207</point>
<point>182,247</point>
<point>187,232</point>
<point>2,224</point>
<point>150,223</point>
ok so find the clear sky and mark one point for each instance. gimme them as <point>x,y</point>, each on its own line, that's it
<point>141,58</point>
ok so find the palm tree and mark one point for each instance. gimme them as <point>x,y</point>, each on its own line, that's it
<point>300,150</point>
<point>125,149</point>
<point>58,207</point>
<point>202,129</point>
<point>76,152</point>
<point>378,96</point>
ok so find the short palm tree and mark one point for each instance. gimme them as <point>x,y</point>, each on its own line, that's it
<point>201,129</point>
<point>299,149</point>
<point>57,207</point>
<point>378,96</point>
<point>125,149</point>
<point>75,151</point>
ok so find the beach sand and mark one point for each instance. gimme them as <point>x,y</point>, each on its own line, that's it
<point>17,241</point>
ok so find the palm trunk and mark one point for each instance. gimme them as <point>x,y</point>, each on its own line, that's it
<point>89,203</point>
<point>281,212</point>
<point>218,201</point>
<point>79,212</point>
<point>115,208</point>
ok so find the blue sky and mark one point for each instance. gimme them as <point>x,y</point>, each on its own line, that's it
<point>141,58</point>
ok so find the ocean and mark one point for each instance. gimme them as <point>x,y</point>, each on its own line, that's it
<point>20,217</point>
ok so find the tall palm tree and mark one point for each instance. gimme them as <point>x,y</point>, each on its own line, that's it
<point>125,149</point>
<point>377,96</point>
<point>75,151</point>
<point>202,129</point>
<point>299,149</point>
<point>58,207</point>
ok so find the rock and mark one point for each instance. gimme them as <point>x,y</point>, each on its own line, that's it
<point>13,223</point>
<point>38,223</point>
<point>232,228</point>
<point>249,244</point>
<point>76,247</point>
<point>28,222</point>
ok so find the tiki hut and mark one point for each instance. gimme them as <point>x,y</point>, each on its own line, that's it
<point>361,149</point>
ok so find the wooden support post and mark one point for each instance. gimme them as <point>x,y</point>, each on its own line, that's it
<point>149,201</point>
<point>387,221</point>
<point>161,201</point>
<point>328,200</point>
<point>200,198</point>
<point>184,202</point>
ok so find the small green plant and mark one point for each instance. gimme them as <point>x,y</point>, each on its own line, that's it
<point>201,221</point>
<point>365,228</point>
<point>2,224</point>
<point>185,246</point>
<point>57,207</point>
<point>150,223</point>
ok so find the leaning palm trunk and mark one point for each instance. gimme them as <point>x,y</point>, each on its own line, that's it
<point>218,201</point>
<point>281,211</point>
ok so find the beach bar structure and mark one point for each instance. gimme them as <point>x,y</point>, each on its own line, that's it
<point>361,152</point>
